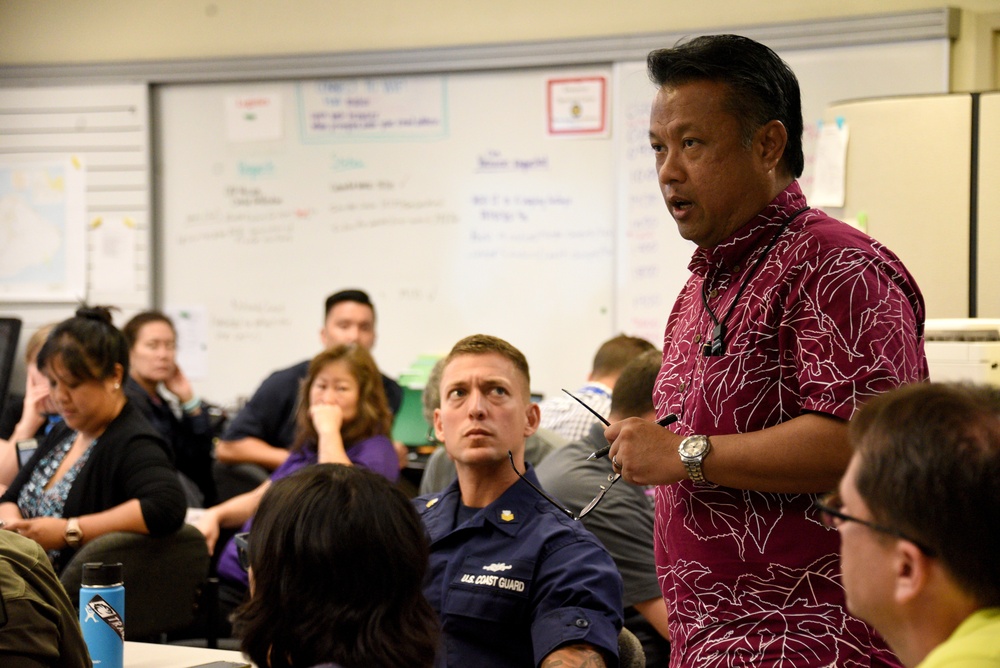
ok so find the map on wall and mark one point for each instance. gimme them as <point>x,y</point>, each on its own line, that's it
<point>42,222</point>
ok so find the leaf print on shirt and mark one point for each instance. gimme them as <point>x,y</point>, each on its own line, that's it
<point>772,621</point>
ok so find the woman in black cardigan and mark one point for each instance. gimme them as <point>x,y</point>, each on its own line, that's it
<point>153,369</point>
<point>105,469</point>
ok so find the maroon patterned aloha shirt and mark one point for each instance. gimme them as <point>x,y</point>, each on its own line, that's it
<point>828,319</point>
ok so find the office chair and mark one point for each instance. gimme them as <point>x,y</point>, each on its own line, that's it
<point>630,654</point>
<point>164,577</point>
<point>235,479</point>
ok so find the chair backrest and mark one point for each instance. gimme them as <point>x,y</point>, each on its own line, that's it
<point>630,654</point>
<point>10,332</point>
<point>163,577</point>
<point>235,479</point>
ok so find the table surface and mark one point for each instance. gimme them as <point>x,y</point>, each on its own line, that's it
<point>151,655</point>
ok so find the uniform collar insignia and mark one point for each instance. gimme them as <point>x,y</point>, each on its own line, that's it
<point>497,566</point>
<point>506,516</point>
<point>432,502</point>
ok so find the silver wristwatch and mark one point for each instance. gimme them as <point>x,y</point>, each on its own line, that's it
<point>693,451</point>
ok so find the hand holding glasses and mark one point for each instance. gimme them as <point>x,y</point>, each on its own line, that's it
<point>612,479</point>
<point>670,418</point>
<point>603,452</point>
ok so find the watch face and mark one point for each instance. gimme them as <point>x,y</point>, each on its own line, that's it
<point>693,447</point>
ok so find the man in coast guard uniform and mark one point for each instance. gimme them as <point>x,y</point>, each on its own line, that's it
<point>514,580</point>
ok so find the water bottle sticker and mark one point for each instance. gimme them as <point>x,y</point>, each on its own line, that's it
<point>107,614</point>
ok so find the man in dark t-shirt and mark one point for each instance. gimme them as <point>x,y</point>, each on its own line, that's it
<point>623,521</point>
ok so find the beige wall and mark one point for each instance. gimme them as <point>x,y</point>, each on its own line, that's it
<point>79,31</point>
<point>975,56</point>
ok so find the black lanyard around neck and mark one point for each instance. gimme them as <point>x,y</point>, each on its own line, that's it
<point>717,347</point>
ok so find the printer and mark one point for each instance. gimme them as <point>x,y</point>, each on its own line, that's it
<point>963,349</point>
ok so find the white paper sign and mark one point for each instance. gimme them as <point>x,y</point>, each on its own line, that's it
<point>113,264</point>
<point>254,117</point>
<point>191,323</point>
<point>378,108</point>
<point>578,106</point>
<point>830,168</point>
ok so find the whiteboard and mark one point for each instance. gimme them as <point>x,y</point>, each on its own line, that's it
<point>449,200</point>
<point>471,216</point>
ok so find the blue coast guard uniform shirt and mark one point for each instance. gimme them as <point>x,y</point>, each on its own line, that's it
<point>517,580</point>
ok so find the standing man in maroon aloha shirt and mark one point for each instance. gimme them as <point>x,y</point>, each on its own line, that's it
<point>789,322</point>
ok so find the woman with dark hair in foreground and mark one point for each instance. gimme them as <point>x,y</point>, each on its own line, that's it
<point>336,558</point>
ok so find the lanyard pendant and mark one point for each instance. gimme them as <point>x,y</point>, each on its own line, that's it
<point>717,348</point>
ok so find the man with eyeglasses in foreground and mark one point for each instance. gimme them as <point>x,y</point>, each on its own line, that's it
<point>515,581</point>
<point>918,512</point>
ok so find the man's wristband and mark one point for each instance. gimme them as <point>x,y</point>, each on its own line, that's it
<point>192,404</point>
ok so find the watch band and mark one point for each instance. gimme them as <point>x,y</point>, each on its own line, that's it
<point>693,462</point>
<point>693,468</point>
<point>73,534</point>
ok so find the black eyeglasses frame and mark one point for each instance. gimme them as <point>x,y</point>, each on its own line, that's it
<point>829,506</point>
<point>242,541</point>
<point>612,479</point>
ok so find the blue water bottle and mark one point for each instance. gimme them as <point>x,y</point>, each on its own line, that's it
<point>102,613</point>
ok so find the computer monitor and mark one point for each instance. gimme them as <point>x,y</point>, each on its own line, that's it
<point>409,427</point>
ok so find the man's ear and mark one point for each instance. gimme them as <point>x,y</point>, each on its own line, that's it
<point>534,414</point>
<point>772,138</point>
<point>438,426</point>
<point>912,571</point>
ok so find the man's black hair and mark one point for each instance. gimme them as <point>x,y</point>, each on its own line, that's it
<point>352,295</point>
<point>762,87</point>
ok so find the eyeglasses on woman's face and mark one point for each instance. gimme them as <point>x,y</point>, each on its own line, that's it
<point>830,513</point>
